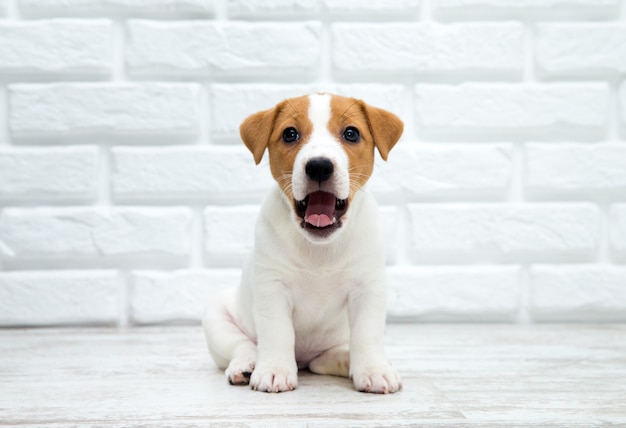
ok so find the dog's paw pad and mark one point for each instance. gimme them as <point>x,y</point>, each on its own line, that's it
<point>239,372</point>
<point>242,378</point>
<point>274,380</point>
<point>377,380</point>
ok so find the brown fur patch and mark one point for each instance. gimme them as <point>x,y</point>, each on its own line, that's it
<point>346,112</point>
<point>264,130</point>
<point>378,128</point>
<point>295,113</point>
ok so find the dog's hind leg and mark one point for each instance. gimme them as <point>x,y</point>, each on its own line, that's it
<point>228,344</point>
<point>335,362</point>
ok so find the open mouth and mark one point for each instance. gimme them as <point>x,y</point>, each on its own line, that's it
<point>321,211</point>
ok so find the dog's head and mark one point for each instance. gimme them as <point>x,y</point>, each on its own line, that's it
<point>321,151</point>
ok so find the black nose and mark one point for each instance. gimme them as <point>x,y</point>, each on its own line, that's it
<point>319,169</point>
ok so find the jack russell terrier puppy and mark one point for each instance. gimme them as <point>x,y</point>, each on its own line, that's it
<point>313,293</point>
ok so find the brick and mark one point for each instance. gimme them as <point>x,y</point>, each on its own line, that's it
<point>372,7</point>
<point>495,232</point>
<point>59,298</point>
<point>131,109</point>
<point>224,173</point>
<point>43,174</point>
<point>241,48</point>
<point>581,49</point>
<point>544,111</point>
<point>58,47</point>
<point>80,233</point>
<point>497,49</point>
<point>229,234</point>
<point>231,104</point>
<point>280,8</point>
<point>578,293</point>
<point>597,169</point>
<point>272,8</point>
<point>445,171</point>
<point>453,293</point>
<point>531,9</point>
<point>158,297</point>
<point>166,8</point>
<point>617,228</point>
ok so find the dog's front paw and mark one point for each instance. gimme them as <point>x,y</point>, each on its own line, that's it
<point>274,378</point>
<point>239,370</point>
<point>378,379</point>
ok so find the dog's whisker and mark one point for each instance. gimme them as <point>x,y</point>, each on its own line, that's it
<point>284,177</point>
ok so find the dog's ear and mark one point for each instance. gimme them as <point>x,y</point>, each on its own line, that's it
<point>255,132</point>
<point>386,128</point>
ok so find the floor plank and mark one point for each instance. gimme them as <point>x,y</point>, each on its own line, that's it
<point>454,375</point>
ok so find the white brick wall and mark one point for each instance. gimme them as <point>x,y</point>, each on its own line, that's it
<point>62,46</point>
<point>507,232</point>
<point>62,174</point>
<point>513,110</point>
<point>59,297</point>
<point>209,48</point>
<point>416,49</point>
<point>98,233</point>
<point>126,197</point>
<point>91,8</point>
<point>43,111</point>
<point>577,49</point>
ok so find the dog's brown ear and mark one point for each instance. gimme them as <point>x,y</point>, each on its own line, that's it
<point>255,132</point>
<point>386,128</point>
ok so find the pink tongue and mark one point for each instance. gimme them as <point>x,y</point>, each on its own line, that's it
<point>320,209</point>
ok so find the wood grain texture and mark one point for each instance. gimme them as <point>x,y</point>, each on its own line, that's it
<point>454,376</point>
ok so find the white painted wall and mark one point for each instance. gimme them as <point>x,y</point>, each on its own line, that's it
<point>126,196</point>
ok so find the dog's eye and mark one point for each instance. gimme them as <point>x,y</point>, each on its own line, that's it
<point>351,134</point>
<point>290,135</point>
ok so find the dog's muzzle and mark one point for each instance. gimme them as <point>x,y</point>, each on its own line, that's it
<point>321,211</point>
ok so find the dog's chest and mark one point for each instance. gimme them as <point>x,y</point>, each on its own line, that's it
<point>320,315</point>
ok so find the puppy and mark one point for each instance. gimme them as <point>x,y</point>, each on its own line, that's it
<point>313,293</point>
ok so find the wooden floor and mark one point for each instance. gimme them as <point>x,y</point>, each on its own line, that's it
<point>454,376</point>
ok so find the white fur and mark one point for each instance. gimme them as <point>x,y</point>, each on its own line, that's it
<point>321,144</point>
<point>305,303</point>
